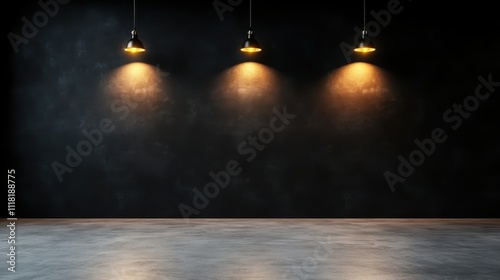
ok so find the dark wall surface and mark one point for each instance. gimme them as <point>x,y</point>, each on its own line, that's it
<point>195,128</point>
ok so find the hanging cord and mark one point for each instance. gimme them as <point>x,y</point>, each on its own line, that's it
<point>364,20</point>
<point>250,13</point>
<point>134,14</point>
<point>364,14</point>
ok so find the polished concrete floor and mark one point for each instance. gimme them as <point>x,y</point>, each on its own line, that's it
<point>251,249</point>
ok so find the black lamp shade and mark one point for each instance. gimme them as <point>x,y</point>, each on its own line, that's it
<point>251,44</point>
<point>364,46</point>
<point>134,44</point>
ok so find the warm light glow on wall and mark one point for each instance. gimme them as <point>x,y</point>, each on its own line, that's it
<point>138,82</point>
<point>356,94</point>
<point>358,80</point>
<point>248,87</point>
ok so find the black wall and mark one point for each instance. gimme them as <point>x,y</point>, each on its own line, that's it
<point>194,99</point>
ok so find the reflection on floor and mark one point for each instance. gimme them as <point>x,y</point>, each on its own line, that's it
<point>251,249</point>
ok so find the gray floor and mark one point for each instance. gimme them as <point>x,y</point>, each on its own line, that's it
<point>252,249</point>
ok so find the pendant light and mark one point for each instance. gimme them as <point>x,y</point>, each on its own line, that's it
<point>134,45</point>
<point>250,45</point>
<point>364,46</point>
